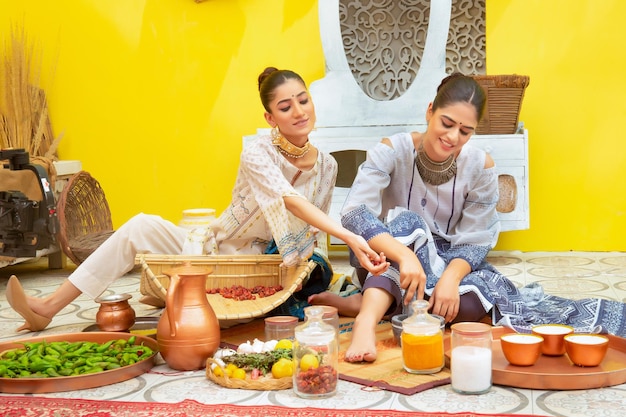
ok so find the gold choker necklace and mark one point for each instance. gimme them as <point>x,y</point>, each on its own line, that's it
<point>287,148</point>
<point>434,173</point>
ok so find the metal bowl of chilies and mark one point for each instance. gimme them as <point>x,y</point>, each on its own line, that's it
<point>78,382</point>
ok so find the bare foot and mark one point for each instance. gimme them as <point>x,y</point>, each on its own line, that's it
<point>363,346</point>
<point>346,306</point>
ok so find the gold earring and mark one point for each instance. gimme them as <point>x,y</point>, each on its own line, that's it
<point>276,135</point>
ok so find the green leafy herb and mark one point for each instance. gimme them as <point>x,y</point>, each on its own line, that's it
<point>262,361</point>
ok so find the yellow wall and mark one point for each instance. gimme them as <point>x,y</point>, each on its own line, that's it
<point>154,97</point>
<point>575,109</point>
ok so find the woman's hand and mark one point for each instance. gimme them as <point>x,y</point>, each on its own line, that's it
<point>412,278</point>
<point>375,263</point>
<point>445,300</point>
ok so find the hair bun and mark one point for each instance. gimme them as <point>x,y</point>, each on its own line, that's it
<point>452,76</point>
<point>266,73</point>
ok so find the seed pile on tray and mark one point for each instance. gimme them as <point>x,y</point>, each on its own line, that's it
<point>241,293</point>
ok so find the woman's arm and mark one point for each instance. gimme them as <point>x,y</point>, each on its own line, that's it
<point>307,212</point>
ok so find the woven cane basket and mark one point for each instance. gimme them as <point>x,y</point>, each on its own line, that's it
<point>504,101</point>
<point>84,217</point>
<point>264,383</point>
<point>226,271</point>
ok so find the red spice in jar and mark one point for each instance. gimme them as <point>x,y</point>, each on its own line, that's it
<point>320,380</point>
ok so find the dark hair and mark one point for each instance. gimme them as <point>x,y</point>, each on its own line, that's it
<point>459,88</point>
<point>270,79</point>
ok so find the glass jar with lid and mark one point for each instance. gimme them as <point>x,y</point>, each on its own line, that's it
<point>316,356</point>
<point>471,357</point>
<point>280,327</point>
<point>422,341</point>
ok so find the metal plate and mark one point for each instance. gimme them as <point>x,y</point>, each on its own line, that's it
<point>557,372</point>
<point>78,382</point>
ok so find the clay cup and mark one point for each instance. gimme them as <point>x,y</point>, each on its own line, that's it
<point>586,349</point>
<point>553,335</point>
<point>521,349</point>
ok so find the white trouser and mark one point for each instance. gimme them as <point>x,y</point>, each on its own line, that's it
<point>116,256</point>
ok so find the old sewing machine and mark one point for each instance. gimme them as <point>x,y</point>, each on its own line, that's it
<point>26,225</point>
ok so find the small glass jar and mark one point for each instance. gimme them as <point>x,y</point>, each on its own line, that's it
<point>200,217</point>
<point>316,356</point>
<point>470,358</point>
<point>422,341</point>
<point>280,327</point>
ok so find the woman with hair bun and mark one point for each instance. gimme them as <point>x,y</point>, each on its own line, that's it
<point>279,204</point>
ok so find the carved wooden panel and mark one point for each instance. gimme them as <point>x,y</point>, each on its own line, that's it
<point>384,41</point>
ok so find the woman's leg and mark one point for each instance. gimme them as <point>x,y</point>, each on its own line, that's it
<point>114,258</point>
<point>375,304</point>
<point>470,308</point>
<point>346,306</point>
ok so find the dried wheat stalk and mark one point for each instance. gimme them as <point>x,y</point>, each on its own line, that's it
<point>24,118</point>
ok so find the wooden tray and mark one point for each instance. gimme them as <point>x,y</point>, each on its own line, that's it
<point>78,382</point>
<point>558,373</point>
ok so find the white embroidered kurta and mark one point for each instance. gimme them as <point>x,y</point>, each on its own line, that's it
<point>258,213</point>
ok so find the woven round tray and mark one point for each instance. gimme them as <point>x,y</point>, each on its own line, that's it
<point>265,383</point>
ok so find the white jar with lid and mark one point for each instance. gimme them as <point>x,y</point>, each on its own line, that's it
<point>198,217</point>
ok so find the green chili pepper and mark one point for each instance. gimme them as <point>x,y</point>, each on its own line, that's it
<point>105,346</point>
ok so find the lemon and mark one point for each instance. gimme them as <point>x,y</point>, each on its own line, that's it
<point>309,361</point>
<point>239,373</point>
<point>282,368</point>
<point>284,344</point>
<point>217,371</point>
<point>231,367</point>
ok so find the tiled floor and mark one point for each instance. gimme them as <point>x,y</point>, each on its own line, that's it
<point>573,275</point>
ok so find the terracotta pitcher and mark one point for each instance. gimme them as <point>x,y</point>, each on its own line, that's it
<point>188,332</point>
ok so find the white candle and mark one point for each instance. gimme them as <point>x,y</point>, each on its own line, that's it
<point>471,369</point>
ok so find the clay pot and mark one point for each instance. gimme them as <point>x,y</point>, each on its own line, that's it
<point>188,332</point>
<point>521,349</point>
<point>115,313</point>
<point>553,338</point>
<point>586,349</point>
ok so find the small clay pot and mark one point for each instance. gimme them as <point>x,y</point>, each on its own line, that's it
<point>553,334</point>
<point>586,349</point>
<point>521,349</point>
<point>115,313</point>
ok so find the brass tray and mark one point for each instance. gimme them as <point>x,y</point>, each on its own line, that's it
<point>78,382</point>
<point>558,373</point>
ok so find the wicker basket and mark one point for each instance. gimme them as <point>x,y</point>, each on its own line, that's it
<point>245,270</point>
<point>504,101</point>
<point>84,217</point>
<point>264,383</point>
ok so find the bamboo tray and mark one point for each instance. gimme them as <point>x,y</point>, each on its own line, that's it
<point>227,270</point>
<point>78,382</point>
<point>558,373</point>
